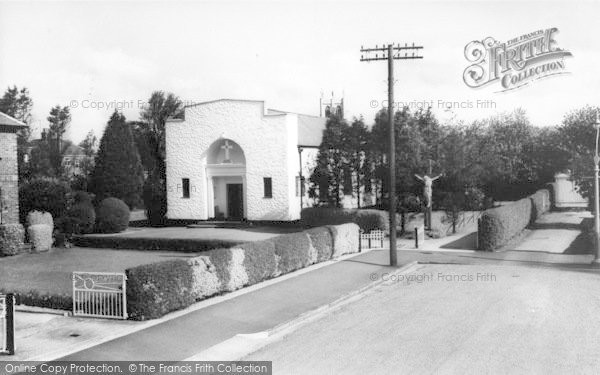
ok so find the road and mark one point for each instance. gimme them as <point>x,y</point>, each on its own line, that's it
<point>510,319</point>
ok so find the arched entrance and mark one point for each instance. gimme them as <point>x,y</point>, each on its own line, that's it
<point>226,180</point>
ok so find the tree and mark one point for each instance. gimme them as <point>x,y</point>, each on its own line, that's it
<point>160,107</point>
<point>117,171</point>
<point>59,120</point>
<point>355,149</point>
<point>328,176</point>
<point>17,104</point>
<point>89,144</point>
<point>578,135</point>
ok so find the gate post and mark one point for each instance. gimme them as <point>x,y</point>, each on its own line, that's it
<point>10,323</point>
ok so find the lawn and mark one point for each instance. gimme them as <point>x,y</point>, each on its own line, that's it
<point>50,273</point>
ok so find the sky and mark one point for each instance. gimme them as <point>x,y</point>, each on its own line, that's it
<point>95,56</point>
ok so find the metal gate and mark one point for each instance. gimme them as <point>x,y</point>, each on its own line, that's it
<point>100,295</point>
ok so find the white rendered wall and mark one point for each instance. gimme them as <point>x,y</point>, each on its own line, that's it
<point>266,142</point>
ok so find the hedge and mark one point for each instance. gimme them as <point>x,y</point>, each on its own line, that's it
<point>152,244</point>
<point>112,216</point>
<point>156,289</point>
<point>151,288</point>
<point>12,238</point>
<point>35,298</point>
<point>366,219</point>
<point>497,226</point>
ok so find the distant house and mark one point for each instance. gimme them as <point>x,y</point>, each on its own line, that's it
<point>9,179</point>
<point>73,156</point>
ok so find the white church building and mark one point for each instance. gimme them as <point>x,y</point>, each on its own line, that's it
<point>236,160</point>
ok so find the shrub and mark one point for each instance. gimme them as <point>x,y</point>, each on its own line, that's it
<point>117,170</point>
<point>39,217</point>
<point>474,199</point>
<point>40,236</point>
<point>82,197</point>
<point>322,240</point>
<point>155,201</point>
<point>260,260</point>
<point>156,289</point>
<point>12,238</point>
<point>43,194</point>
<point>293,251</point>
<point>153,244</point>
<point>205,279</point>
<point>112,216</point>
<point>50,301</point>
<point>499,225</point>
<point>83,215</point>
<point>346,239</point>
<point>367,219</point>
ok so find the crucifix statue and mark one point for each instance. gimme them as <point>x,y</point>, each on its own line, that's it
<point>427,192</point>
<point>227,147</point>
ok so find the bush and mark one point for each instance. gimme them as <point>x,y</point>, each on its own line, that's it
<point>293,251</point>
<point>50,301</point>
<point>155,201</point>
<point>322,241</point>
<point>43,194</point>
<point>367,219</point>
<point>499,225</point>
<point>205,278</point>
<point>12,237</point>
<point>82,197</point>
<point>156,289</point>
<point>260,260</point>
<point>39,217</point>
<point>346,239</point>
<point>83,215</point>
<point>153,244</point>
<point>112,216</point>
<point>474,199</point>
<point>40,236</point>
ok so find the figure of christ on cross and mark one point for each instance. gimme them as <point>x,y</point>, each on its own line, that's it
<point>227,147</point>
<point>427,187</point>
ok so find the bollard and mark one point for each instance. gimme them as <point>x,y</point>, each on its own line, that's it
<point>416,237</point>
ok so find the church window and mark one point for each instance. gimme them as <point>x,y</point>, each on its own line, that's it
<point>268,184</point>
<point>185,184</point>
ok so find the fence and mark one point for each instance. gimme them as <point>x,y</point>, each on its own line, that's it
<point>100,295</point>
<point>372,240</point>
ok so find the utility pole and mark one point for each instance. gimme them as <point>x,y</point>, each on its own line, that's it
<point>391,53</point>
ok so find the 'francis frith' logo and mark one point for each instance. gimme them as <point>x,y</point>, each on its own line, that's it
<point>515,63</point>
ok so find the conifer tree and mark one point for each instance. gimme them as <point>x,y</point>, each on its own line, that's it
<point>118,171</point>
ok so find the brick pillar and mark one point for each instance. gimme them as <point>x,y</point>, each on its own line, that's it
<point>9,177</point>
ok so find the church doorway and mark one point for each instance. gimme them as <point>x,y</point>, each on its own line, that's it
<point>235,201</point>
<point>226,181</point>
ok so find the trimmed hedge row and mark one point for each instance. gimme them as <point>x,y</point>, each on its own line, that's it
<point>497,226</point>
<point>156,289</point>
<point>151,244</point>
<point>366,219</point>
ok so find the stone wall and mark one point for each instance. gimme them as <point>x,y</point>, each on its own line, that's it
<point>9,177</point>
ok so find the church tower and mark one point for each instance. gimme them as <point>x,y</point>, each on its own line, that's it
<point>331,106</point>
